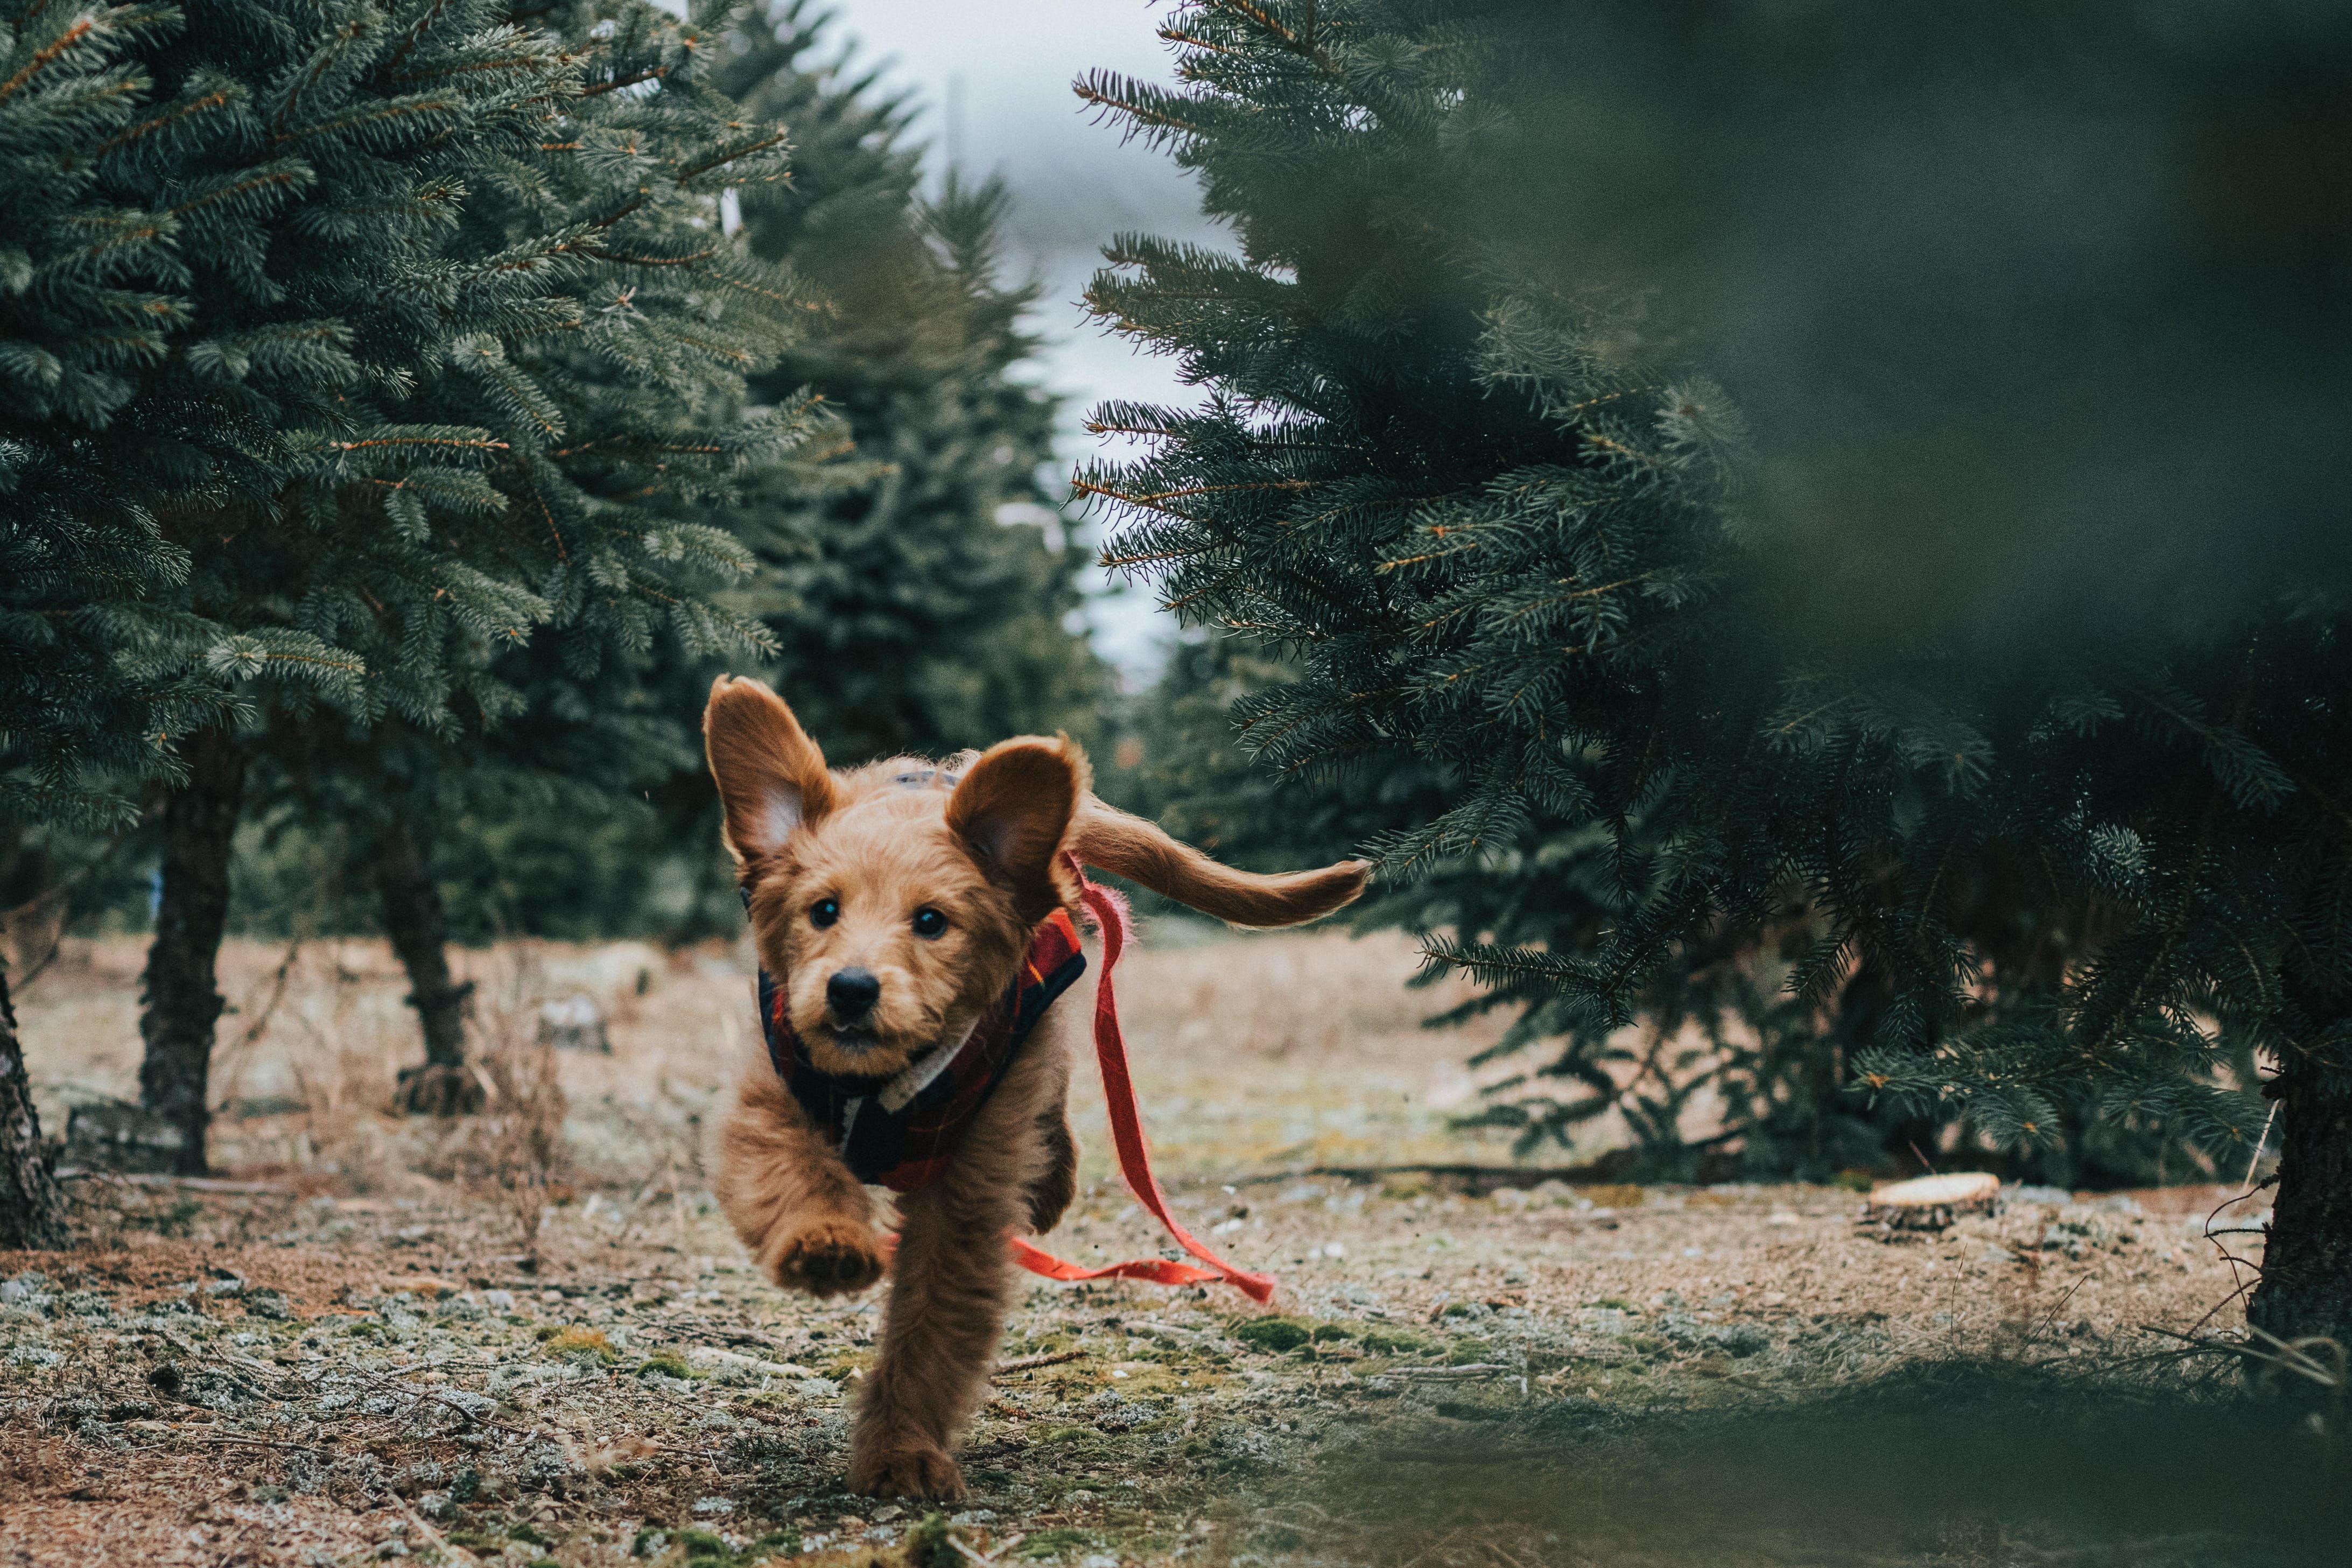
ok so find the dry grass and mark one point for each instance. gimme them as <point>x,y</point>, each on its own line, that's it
<point>1320,1028</point>
<point>635,1384</point>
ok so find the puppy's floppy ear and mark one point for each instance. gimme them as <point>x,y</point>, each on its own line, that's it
<point>1013,810</point>
<point>772,776</point>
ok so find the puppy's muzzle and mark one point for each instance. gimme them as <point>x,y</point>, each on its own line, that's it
<point>850,996</point>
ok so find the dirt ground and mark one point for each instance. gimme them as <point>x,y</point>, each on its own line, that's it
<point>362,1359</point>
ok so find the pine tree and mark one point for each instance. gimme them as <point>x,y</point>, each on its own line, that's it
<point>656,445</point>
<point>906,614</point>
<point>914,606</point>
<point>1963,731</point>
<point>447,348</point>
<point>88,647</point>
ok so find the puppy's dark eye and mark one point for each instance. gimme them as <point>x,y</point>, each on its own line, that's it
<point>825,912</point>
<point>929,922</point>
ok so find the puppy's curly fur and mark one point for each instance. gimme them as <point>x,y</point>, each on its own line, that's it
<point>933,881</point>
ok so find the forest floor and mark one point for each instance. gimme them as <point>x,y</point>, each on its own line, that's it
<point>346,1360</point>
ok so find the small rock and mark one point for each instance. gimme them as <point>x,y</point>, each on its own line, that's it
<point>714,1505</point>
<point>499,1301</point>
<point>973,1516</point>
<point>884,1514</point>
<point>573,1024</point>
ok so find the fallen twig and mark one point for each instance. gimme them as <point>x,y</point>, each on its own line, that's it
<point>187,1183</point>
<point>2295,1357</point>
<point>251,1442</point>
<point>2052,1315</point>
<point>1476,1369</point>
<point>1031,1362</point>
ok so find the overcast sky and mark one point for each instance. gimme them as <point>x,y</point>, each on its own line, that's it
<point>994,77</point>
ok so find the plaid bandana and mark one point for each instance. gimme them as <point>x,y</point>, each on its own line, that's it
<point>899,1132</point>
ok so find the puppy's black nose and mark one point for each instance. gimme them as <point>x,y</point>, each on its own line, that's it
<point>852,993</point>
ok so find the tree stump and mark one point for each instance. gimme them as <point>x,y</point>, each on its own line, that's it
<point>1932,1203</point>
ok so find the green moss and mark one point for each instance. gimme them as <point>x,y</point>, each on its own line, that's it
<point>668,1362</point>
<point>1274,1334</point>
<point>928,1544</point>
<point>701,1543</point>
<point>1057,1541</point>
<point>775,1543</point>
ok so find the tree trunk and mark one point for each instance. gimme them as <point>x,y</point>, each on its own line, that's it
<point>419,929</point>
<point>2306,1285</point>
<point>31,1214</point>
<point>181,995</point>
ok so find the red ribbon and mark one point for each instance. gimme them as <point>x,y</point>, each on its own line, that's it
<point>1127,1135</point>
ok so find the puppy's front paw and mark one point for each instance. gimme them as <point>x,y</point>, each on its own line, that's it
<point>829,1258</point>
<point>912,1469</point>
<point>1049,1196</point>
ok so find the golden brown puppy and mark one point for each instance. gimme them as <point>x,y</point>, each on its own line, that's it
<point>913,920</point>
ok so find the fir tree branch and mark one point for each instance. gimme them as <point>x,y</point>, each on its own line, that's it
<point>218,97</point>
<point>415,36</point>
<point>46,56</point>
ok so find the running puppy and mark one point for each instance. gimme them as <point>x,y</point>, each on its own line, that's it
<point>922,982</point>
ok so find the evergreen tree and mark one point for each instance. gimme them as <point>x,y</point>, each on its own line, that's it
<point>653,440</point>
<point>1972,743</point>
<point>915,606</point>
<point>455,352</point>
<point>905,614</point>
<point>88,687</point>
